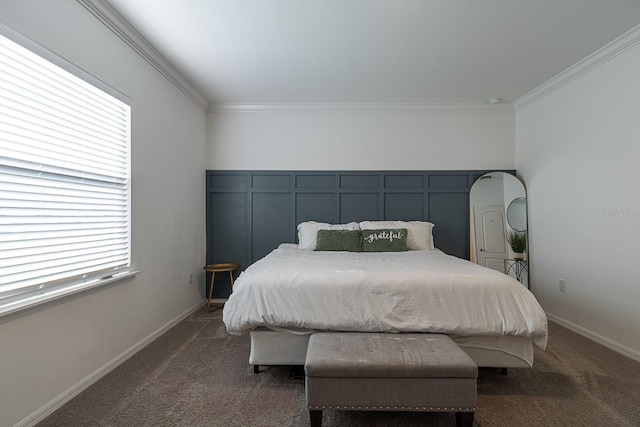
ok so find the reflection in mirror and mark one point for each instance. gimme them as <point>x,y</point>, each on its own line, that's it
<point>498,207</point>
<point>517,214</point>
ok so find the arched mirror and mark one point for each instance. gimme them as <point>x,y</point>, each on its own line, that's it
<point>498,211</point>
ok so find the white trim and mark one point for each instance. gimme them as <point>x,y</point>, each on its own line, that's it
<point>47,295</point>
<point>327,107</point>
<point>609,343</point>
<point>597,58</point>
<point>120,27</point>
<point>57,402</point>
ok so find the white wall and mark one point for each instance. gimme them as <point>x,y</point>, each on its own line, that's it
<point>362,139</point>
<point>578,151</point>
<point>49,350</point>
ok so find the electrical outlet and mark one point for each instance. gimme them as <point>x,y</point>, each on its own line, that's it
<point>189,278</point>
<point>562,285</point>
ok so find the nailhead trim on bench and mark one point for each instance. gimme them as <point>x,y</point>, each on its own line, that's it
<point>401,408</point>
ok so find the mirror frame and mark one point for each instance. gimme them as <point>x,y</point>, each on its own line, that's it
<point>521,194</point>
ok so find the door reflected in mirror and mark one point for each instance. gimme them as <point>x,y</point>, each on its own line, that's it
<point>498,208</point>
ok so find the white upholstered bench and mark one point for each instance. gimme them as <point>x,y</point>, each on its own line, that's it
<point>389,372</point>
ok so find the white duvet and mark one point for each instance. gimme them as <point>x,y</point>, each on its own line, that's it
<point>416,291</point>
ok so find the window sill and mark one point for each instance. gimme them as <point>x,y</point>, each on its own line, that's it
<point>47,295</point>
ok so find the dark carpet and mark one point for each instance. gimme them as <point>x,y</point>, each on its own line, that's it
<point>198,375</point>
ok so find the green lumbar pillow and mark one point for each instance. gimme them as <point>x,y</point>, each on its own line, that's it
<point>339,240</point>
<point>384,240</point>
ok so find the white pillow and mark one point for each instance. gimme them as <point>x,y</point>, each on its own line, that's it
<point>308,232</point>
<point>419,234</point>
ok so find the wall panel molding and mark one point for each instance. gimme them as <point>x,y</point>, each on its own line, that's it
<point>249,213</point>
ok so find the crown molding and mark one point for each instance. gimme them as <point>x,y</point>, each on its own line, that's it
<point>102,10</point>
<point>597,58</point>
<point>360,107</point>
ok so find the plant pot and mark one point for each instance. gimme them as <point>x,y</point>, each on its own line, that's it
<point>518,256</point>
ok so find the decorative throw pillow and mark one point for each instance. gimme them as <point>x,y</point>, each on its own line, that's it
<point>384,240</point>
<point>308,231</point>
<point>339,240</point>
<point>419,234</point>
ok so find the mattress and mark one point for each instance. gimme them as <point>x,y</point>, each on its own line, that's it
<point>300,291</point>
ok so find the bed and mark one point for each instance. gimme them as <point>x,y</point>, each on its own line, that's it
<point>295,290</point>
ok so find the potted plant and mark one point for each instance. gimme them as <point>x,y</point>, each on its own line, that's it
<point>518,242</point>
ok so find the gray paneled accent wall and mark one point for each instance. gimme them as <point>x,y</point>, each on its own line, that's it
<point>249,213</point>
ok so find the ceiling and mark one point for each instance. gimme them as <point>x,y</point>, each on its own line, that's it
<point>375,51</point>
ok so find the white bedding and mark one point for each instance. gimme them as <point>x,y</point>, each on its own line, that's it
<point>416,291</point>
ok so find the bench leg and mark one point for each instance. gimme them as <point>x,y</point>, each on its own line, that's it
<point>463,419</point>
<point>316,418</point>
<point>297,372</point>
<point>256,369</point>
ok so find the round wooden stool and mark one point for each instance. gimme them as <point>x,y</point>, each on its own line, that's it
<point>219,268</point>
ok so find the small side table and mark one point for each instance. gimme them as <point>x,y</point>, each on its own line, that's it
<point>219,268</point>
<point>518,266</point>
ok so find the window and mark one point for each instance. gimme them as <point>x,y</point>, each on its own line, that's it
<point>64,181</point>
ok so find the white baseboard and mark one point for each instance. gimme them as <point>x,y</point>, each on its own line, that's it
<point>615,346</point>
<point>51,406</point>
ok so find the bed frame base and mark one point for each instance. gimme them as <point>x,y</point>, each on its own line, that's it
<point>271,348</point>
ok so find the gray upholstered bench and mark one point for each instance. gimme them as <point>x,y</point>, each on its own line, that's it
<point>389,372</point>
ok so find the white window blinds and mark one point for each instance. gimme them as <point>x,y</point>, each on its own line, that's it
<point>64,178</point>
